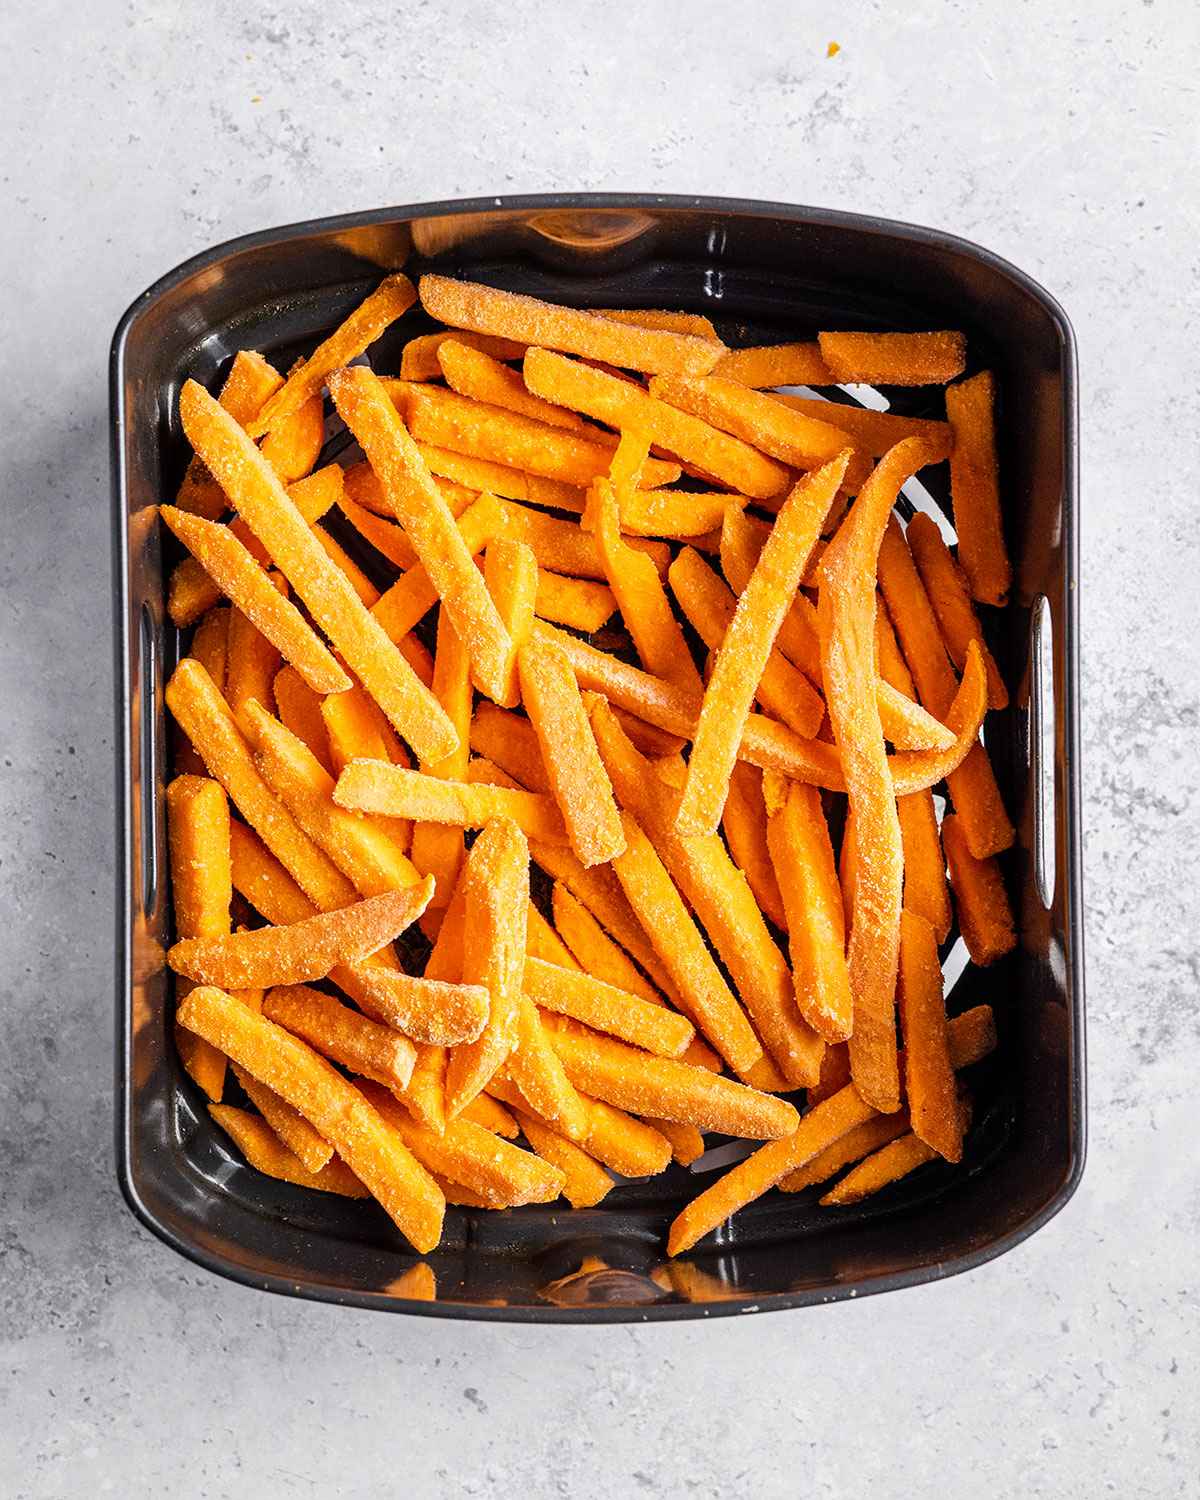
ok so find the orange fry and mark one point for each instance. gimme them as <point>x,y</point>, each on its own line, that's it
<point>586,1183</point>
<point>511,742</point>
<point>294,444</point>
<point>288,1124</point>
<point>925,889</point>
<point>299,710</point>
<point>325,590</point>
<point>541,941</point>
<point>744,822</point>
<point>419,357</point>
<point>510,571</point>
<point>483,309</point>
<point>670,1090</point>
<point>835,1073</point>
<point>618,1140</point>
<point>268,1153</point>
<point>436,849</point>
<point>390,300</point>
<point>563,547</point>
<point>385,536</point>
<point>425,1096</point>
<point>627,407</point>
<point>710,605</point>
<point>536,1069</point>
<point>495,886</point>
<point>413,594</point>
<point>302,950</point>
<point>431,1011</point>
<point>974,488</point>
<point>802,855</point>
<point>210,644</point>
<point>738,671</point>
<point>264,882</point>
<point>358,730</point>
<point>981,903</point>
<point>886,1166</point>
<point>683,514</point>
<point>578,781</point>
<point>251,665</point>
<point>873,432</point>
<point>928,1072</point>
<point>577,602</point>
<point>687,1143</point>
<point>473,373</point>
<point>951,601</point>
<point>594,951</point>
<point>425,516</point>
<point>853,1146</point>
<point>615,1012</point>
<point>492,1115</point>
<point>251,380</point>
<point>894,358</point>
<point>764,365</point>
<point>483,475</point>
<point>373,787</point>
<point>242,580</point>
<point>205,718</point>
<point>652,317</point>
<point>341,1034</point>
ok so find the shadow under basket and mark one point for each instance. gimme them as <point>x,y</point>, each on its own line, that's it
<point>763,272</point>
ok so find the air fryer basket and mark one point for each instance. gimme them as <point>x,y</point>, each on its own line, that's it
<point>762,272</point>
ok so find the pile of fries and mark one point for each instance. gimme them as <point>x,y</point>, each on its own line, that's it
<point>794,672</point>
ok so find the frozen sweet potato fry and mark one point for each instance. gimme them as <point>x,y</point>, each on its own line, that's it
<point>431,1011</point>
<point>331,1104</point>
<point>802,855</point>
<point>250,382</point>
<point>604,1008</point>
<point>737,673</point>
<point>413,595</point>
<point>653,317</point>
<point>418,504</point>
<point>419,357</point>
<point>763,365</point>
<point>615,1138</point>
<point>251,665</point>
<point>670,1090</point>
<point>390,300</point>
<point>242,580</point>
<point>972,784</point>
<point>687,1143</point>
<point>928,1073</point>
<point>483,309</point>
<point>846,613</point>
<point>628,407</point>
<point>294,444</point>
<point>681,514</point>
<point>791,436</point>
<point>594,951</point>
<point>709,605</point>
<point>482,475</point>
<point>208,723</point>
<point>268,1153</point>
<point>853,1146</point>
<point>337,1032</point>
<point>474,373</point>
<point>210,644</point>
<point>372,787</point>
<point>925,890</point>
<point>510,571</point>
<point>578,602</point>
<point>951,601</point>
<point>425,1096</point>
<point>835,1073</point>
<point>894,358</point>
<point>974,488</point>
<point>312,1150</point>
<point>302,950</point>
<point>364,490</point>
<point>706,997</point>
<point>331,601</point>
<point>264,882</point>
<point>885,1166</point>
<point>358,730</point>
<point>744,822</point>
<point>437,849</point>
<point>366,854</point>
<point>541,941</point>
<point>873,432</point>
<point>495,885</point>
<point>586,1183</point>
<point>536,1069</point>
<point>578,781</point>
<point>299,710</point>
<point>985,917</point>
<point>511,742</point>
<point>388,539</point>
<point>915,770</point>
<point>564,547</point>
<point>492,1115</point>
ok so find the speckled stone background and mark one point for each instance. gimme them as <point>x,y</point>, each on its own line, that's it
<point>1061,135</point>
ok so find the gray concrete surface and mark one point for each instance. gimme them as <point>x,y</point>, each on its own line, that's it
<point>1062,136</point>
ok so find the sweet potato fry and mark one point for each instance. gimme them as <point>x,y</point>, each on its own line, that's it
<point>951,601</point>
<point>430,1011</point>
<point>299,710</point>
<point>886,1166</point>
<point>981,903</point>
<point>388,539</point>
<point>707,999</point>
<point>210,644</point>
<point>264,882</point>
<point>586,1183</point>
<point>857,1143</point>
<point>495,885</point>
<point>974,488</point>
<point>358,730</point>
<point>362,488</point>
<point>294,444</point>
<point>737,673</point>
<point>874,432</point>
<point>652,317</point>
<point>425,1096</point>
<point>972,785</point>
<point>846,610</point>
<point>205,718</point>
<point>792,437</point>
<point>802,855</point>
<point>925,889</point>
<point>680,514</point>
<point>331,601</point>
<point>535,1067</point>
<point>483,309</point>
<point>578,781</point>
<point>413,594</point>
<point>541,941</point>
<point>337,1032</point>
<point>390,300</point>
<point>594,951</point>
<point>577,602</point>
<point>492,1115</point>
<point>615,1138</point>
<point>894,358</point>
<point>250,382</point>
<point>627,407</point>
<point>687,1143</point>
<point>252,663</point>
<point>471,372</point>
<point>709,604</point>
<point>928,1073</point>
<point>365,853</point>
<point>418,504</point>
<point>563,547</point>
<point>765,365</point>
<point>333,1106</point>
<point>670,1090</point>
<point>482,475</point>
<point>302,950</point>
<point>612,1011</point>
<point>419,357</point>
<point>511,742</point>
<point>445,419</point>
<point>264,1149</point>
<point>437,850</point>
<point>243,581</point>
<point>510,571</point>
<point>288,1124</point>
<point>372,787</point>
<point>744,822</point>
<point>835,1073</point>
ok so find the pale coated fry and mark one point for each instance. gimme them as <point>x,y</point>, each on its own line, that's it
<point>653,317</point>
<point>894,358</point>
<point>373,787</point>
<point>433,1012</point>
<point>604,1008</point>
<point>925,888</point>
